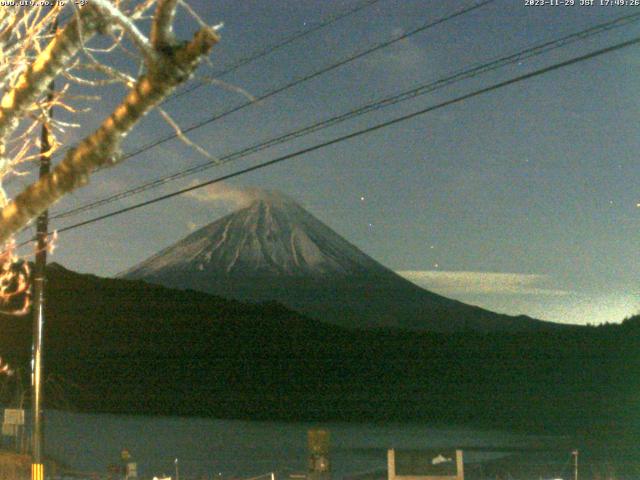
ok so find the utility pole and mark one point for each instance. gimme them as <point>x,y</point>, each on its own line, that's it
<point>575,464</point>
<point>39,280</point>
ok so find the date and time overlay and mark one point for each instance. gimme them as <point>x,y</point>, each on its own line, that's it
<point>527,3</point>
<point>581,3</point>
<point>44,3</point>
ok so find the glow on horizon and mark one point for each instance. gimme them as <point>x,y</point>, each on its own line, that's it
<point>527,294</point>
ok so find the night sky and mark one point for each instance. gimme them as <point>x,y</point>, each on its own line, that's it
<point>522,200</point>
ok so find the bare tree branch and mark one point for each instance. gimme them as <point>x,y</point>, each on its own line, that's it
<point>173,66</point>
<point>162,29</point>
<point>124,22</point>
<point>33,82</point>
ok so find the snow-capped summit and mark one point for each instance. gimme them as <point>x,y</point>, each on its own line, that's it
<point>273,249</point>
<point>272,235</point>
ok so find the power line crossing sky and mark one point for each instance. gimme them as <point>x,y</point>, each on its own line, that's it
<point>523,200</point>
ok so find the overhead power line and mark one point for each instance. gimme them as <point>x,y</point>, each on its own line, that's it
<point>306,78</point>
<point>330,20</point>
<point>273,48</point>
<point>379,104</point>
<point>364,131</point>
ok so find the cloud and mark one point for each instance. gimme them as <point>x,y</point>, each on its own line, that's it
<point>404,55</point>
<point>482,282</point>
<point>223,193</point>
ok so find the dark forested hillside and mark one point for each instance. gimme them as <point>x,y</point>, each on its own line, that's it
<point>126,346</point>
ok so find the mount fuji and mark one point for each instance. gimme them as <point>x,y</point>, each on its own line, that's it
<point>272,249</point>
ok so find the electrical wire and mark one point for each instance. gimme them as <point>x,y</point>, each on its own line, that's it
<point>306,78</point>
<point>273,48</point>
<point>364,131</point>
<point>530,52</point>
<point>330,20</point>
<point>311,76</point>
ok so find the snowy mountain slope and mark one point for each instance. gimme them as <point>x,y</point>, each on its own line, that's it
<point>272,236</point>
<point>273,249</point>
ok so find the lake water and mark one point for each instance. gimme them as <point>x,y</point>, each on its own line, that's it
<point>209,447</point>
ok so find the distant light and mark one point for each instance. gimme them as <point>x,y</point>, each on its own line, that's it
<point>362,199</point>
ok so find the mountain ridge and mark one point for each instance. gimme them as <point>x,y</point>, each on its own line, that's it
<point>133,347</point>
<point>271,217</point>
<point>273,249</point>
